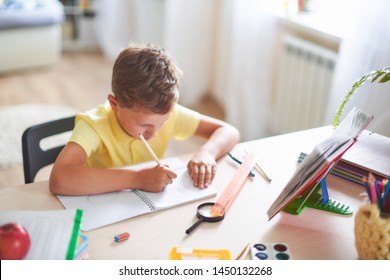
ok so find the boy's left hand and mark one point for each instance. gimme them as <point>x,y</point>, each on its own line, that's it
<point>202,168</point>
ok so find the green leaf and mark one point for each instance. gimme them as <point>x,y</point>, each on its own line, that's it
<point>385,78</point>
<point>373,76</point>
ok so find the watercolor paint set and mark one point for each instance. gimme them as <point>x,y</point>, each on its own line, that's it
<point>270,251</point>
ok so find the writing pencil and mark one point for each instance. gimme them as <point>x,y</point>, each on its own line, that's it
<point>149,148</point>
<point>262,172</point>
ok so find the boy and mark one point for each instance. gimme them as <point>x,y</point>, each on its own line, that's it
<point>144,97</point>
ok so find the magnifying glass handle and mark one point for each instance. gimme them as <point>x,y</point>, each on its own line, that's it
<point>194,226</point>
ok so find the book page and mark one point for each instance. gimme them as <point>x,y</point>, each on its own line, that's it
<point>311,170</point>
<point>104,209</point>
<point>320,161</point>
<point>179,192</point>
<point>108,208</point>
<point>354,123</point>
<point>50,232</point>
<point>371,153</point>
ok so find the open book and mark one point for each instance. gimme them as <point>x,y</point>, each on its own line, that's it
<point>108,208</point>
<point>320,161</point>
<point>370,154</point>
<point>53,234</point>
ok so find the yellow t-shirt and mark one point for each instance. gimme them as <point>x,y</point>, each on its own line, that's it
<point>98,132</point>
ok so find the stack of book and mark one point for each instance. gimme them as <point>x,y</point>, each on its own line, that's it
<point>370,154</point>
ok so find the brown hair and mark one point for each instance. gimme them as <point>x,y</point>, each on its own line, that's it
<point>145,76</point>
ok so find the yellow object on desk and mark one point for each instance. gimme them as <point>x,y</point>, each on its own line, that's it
<point>178,253</point>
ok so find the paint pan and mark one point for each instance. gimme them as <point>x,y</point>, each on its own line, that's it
<point>270,251</point>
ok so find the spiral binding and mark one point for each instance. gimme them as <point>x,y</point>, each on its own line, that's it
<point>145,199</point>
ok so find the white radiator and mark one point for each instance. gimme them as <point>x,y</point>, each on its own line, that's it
<point>303,85</point>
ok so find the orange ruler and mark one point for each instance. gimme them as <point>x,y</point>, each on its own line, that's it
<point>234,187</point>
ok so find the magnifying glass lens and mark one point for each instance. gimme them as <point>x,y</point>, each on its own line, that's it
<point>204,214</point>
<point>205,211</point>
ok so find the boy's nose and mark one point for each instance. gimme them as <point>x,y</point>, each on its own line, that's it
<point>150,133</point>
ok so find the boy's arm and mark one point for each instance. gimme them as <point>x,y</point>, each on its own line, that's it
<point>221,138</point>
<point>70,176</point>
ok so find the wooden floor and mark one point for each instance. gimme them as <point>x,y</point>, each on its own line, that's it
<point>79,80</point>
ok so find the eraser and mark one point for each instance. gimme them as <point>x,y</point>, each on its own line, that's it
<point>122,237</point>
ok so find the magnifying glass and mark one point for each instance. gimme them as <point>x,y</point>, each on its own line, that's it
<point>203,212</point>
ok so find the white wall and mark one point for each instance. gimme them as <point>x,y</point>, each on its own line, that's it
<point>226,48</point>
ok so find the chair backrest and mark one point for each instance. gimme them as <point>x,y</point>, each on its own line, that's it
<point>34,157</point>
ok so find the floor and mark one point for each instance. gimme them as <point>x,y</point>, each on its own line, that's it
<point>79,80</point>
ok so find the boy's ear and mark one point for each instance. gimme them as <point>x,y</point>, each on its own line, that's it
<point>113,102</point>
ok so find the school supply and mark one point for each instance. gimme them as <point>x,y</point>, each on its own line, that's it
<point>261,171</point>
<point>203,212</point>
<point>239,162</point>
<point>270,251</point>
<point>53,234</point>
<point>314,168</point>
<point>81,248</point>
<point>121,237</point>
<point>371,154</point>
<point>214,212</point>
<point>378,193</point>
<point>244,252</point>
<point>180,253</point>
<point>152,153</point>
<point>234,187</point>
<point>109,208</point>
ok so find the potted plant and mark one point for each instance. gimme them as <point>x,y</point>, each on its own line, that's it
<point>381,76</point>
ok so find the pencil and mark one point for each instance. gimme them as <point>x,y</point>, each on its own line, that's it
<point>149,148</point>
<point>260,170</point>
<point>257,166</point>
<point>243,253</point>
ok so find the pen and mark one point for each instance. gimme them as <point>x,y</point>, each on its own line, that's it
<point>149,148</point>
<point>239,161</point>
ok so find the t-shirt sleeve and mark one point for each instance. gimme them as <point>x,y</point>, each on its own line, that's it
<point>187,122</point>
<point>85,136</point>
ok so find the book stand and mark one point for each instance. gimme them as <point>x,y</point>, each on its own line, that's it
<point>321,201</point>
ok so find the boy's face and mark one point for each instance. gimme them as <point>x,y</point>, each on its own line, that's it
<point>138,120</point>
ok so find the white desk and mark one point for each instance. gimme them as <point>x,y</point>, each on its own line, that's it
<point>313,234</point>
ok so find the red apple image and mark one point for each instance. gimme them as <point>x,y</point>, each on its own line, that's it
<point>14,242</point>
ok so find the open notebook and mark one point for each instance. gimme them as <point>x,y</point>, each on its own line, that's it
<point>108,208</point>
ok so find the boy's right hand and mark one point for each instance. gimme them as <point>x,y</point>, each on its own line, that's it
<point>155,179</point>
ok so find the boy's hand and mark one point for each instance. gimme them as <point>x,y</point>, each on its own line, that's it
<point>202,168</point>
<point>155,179</point>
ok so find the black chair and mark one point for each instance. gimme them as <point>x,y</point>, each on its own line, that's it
<point>34,157</point>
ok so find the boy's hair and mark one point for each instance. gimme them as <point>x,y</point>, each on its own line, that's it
<point>145,76</point>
